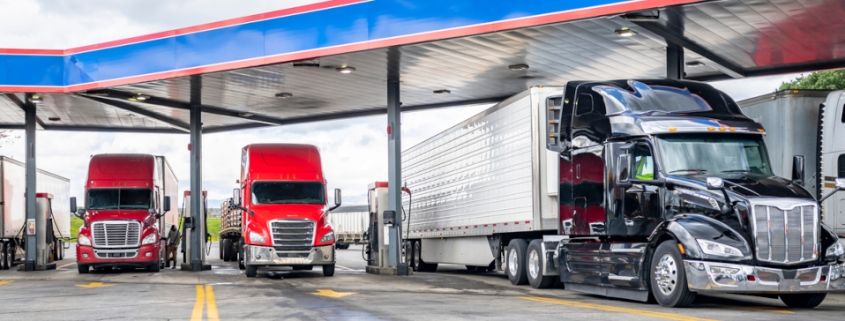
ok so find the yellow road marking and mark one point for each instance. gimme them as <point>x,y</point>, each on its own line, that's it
<point>6,281</point>
<point>342,267</point>
<point>752,308</point>
<point>66,265</point>
<point>94,285</point>
<point>212,305</point>
<point>196,315</point>
<point>647,313</point>
<point>332,294</point>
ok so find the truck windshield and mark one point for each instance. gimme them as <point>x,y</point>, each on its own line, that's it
<point>119,198</point>
<point>287,193</point>
<point>699,154</point>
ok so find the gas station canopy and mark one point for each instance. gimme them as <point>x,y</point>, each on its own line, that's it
<point>332,59</point>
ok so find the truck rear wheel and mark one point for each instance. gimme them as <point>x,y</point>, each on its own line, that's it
<point>535,268</point>
<point>342,246</point>
<point>328,270</point>
<point>804,301</point>
<point>82,268</point>
<point>226,245</point>
<point>220,248</point>
<point>516,262</point>
<point>668,278</point>
<point>251,271</point>
<point>4,265</point>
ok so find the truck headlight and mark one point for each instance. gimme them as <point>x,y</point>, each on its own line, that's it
<point>150,239</point>
<point>83,240</point>
<point>718,249</point>
<point>256,238</point>
<point>834,251</point>
<point>329,237</point>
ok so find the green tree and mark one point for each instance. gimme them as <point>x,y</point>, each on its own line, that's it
<point>822,80</point>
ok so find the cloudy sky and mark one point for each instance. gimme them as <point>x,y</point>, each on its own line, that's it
<point>354,150</point>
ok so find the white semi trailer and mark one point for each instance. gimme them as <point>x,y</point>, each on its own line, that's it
<point>350,224</point>
<point>13,209</point>
<point>811,124</point>
<point>482,183</point>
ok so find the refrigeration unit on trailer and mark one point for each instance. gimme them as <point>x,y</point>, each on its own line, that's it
<point>665,190</point>
<point>809,124</point>
<point>52,189</point>
<point>129,202</point>
<point>483,184</point>
<point>285,209</point>
<point>350,225</point>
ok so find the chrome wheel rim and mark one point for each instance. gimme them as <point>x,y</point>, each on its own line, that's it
<point>513,263</point>
<point>666,274</point>
<point>533,264</point>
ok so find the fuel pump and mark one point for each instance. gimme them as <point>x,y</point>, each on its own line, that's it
<point>377,246</point>
<point>190,226</point>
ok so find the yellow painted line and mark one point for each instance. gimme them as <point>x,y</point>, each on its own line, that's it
<point>752,308</point>
<point>647,313</point>
<point>333,294</point>
<point>6,281</point>
<point>196,315</point>
<point>66,265</point>
<point>342,267</point>
<point>212,305</point>
<point>94,285</point>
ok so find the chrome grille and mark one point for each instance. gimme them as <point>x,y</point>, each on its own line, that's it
<point>785,233</point>
<point>293,235</point>
<point>116,234</point>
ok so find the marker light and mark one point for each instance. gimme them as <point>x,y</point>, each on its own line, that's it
<point>673,129</point>
<point>711,128</point>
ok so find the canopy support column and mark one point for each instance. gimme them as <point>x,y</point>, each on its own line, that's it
<point>197,234</point>
<point>394,173</point>
<point>31,260</point>
<point>674,61</point>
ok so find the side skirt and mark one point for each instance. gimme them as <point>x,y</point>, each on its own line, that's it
<point>636,295</point>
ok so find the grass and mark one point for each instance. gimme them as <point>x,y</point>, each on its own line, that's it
<point>213,227</point>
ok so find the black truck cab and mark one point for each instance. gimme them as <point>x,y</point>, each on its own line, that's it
<point>666,190</point>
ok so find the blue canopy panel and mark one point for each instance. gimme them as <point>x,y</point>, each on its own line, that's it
<point>315,30</point>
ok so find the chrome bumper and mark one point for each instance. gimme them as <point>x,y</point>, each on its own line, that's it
<point>735,278</point>
<point>265,255</point>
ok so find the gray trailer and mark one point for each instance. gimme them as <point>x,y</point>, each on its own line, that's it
<point>482,183</point>
<point>808,123</point>
<point>13,209</point>
<point>350,224</point>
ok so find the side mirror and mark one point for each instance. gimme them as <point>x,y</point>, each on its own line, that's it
<point>840,186</point>
<point>73,205</point>
<point>337,201</point>
<point>236,197</point>
<point>715,183</point>
<point>623,173</point>
<point>798,170</point>
<point>840,183</point>
<point>166,206</point>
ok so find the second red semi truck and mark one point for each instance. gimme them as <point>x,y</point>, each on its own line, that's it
<point>128,202</point>
<point>284,210</point>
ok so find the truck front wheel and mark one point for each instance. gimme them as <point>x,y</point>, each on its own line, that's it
<point>83,269</point>
<point>251,271</point>
<point>804,301</point>
<point>328,270</point>
<point>668,278</point>
<point>226,245</point>
<point>516,262</point>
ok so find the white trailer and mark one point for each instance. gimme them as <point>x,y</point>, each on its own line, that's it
<point>13,209</point>
<point>481,183</point>
<point>809,123</point>
<point>350,224</point>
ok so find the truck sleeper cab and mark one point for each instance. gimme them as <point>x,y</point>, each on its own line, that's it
<point>125,201</point>
<point>677,197</point>
<point>284,209</point>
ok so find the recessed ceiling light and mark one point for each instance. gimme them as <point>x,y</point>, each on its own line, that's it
<point>518,67</point>
<point>54,119</point>
<point>246,114</point>
<point>625,32</point>
<point>442,92</point>
<point>284,95</point>
<point>139,97</point>
<point>345,70</point>
<point>694,63</point>
<point>35,99</point>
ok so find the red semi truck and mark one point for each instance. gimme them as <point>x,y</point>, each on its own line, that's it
<point>284,210</point>
<point>128,199</point>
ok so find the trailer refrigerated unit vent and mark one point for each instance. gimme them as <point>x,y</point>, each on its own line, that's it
<point>111,234</point>
<point>292,235</point>
<point>785,236</point>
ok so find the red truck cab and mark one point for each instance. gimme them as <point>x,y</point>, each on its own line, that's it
<point>284,205</point>
<point>124,200</point>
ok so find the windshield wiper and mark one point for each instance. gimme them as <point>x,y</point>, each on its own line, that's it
<point>737,171</point>
<point>689,170</point>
